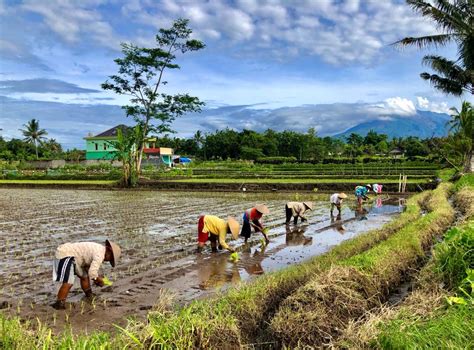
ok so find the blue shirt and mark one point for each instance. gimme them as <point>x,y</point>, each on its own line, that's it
<point>361,191</point>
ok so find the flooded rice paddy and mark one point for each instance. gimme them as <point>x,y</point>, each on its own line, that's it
<point>157,232</point>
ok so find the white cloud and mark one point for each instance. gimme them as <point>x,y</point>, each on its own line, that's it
<point>75,21</point>
<point>396,105</point>
<point>424,103</point>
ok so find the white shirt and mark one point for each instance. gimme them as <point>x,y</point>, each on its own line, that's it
<point>335,199</point>
<point>88,256</point>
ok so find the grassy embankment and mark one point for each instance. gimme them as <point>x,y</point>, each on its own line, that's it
<point>234,318</point>
<point>319,311</point>
<point>60,182</point>
<point>439,313</point>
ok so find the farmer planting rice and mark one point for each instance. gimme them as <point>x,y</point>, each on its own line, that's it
<point>84,260</point>
<point>336,201</point>
<point>215,229</point>
<point>297,210</point>
<point>361,193</point>
<point>251,218</point>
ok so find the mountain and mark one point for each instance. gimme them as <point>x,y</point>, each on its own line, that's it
<point>423,125</point>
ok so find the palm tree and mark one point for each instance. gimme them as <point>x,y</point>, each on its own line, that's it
<point>200,141</point>
<point>455,19</point>
<point>462,126</point>
<point>33,134</point>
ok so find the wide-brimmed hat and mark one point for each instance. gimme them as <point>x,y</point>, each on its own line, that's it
<point>262,208</point>
<point>234,227</point>
<point>309,205</point>
<point>368,186</point>
<point>116,251</point>
<point>342,195</point>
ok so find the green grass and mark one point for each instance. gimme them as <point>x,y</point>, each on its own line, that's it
<point>466,181</point>
<point>60,182</point>
<point>306,181</point>
<point>445,329</point>
<point>331,299</point>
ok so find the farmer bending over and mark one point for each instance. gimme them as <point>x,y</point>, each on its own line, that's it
<point>251,219</point>
<point>361,193</point>
<point>212,228</point>
<point>297,209</point>
<point>82,259</point>
<point>336,201</point>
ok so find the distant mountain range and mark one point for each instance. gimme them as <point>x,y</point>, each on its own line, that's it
<point>423,125</point>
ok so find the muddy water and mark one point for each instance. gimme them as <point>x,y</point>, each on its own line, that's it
<point>157,231</point>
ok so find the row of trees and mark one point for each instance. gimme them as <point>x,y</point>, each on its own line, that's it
<point>251,145</point>
<point>35,145</point>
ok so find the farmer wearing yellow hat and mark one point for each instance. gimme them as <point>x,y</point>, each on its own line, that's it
<point>297,209</point>
<point>336,201</point>
<point>215,229</point>
<point>251,218</point>
<point>84,260</point>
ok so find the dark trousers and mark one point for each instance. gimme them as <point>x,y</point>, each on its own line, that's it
<point>289,214</point>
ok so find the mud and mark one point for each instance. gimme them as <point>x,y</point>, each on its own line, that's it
<point>157,231</point>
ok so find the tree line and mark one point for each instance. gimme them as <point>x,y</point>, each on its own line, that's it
<point>252,145</point>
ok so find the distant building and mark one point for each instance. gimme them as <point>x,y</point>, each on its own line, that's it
<point>396,153</point>
<point>99,147</point>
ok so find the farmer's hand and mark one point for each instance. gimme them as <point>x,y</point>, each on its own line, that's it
<point>230,249</point>
<point>99,282</point>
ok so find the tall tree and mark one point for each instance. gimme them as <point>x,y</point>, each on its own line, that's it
<point>462,126</point>
<point>33,134</point>
<point>141,76</point>
<point>455,20</point>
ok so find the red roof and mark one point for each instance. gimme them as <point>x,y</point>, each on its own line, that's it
<point>151,150</point>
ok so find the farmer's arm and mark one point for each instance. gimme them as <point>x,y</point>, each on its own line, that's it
<point>222,242</point>
<point>97,260</point>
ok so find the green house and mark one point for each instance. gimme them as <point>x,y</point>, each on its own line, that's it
<point>99,148</point>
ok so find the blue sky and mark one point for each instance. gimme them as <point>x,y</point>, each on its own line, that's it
<point>292,64</point>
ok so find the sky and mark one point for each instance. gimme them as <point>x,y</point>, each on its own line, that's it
<point>291,64</point>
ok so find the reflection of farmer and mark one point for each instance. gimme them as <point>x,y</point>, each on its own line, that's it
<point>296,236</point>
<point>251,218</point>
<point>297,209</point>
<point>82,259</point>
<point>361,193</point>
<point>361,213</point>
<point>337,222</point>
<point>336,201</point>
<point>215,273</point>
<point>214,229</point>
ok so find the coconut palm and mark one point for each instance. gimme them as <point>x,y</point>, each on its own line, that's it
<point>455,20</point>
<point>33,134</point>
<point>462,126</point>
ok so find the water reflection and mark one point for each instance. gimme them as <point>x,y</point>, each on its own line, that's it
<point>336,221</point>
<point>216,272</point>
<point>295,236</point>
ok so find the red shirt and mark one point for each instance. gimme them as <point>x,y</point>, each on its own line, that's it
<point>255,214</point>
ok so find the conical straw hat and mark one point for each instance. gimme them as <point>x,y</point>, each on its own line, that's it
<point>309,205</point>
<point>262,208</point>
<point>116,252</point>
<point>342,195</point>
<point>234,227</point>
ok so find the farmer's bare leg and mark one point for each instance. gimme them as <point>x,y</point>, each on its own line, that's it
<point>201,246</point>
<point>86,286</point>
<point>64,291</point>
<point>213,239</point>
